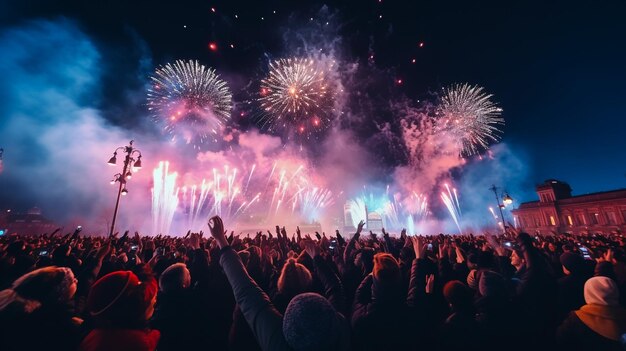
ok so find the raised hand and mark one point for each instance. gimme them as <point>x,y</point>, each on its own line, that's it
<point>194,241</point>
<point>311,248</point>
<point>459,254</point>
<point>430,283</point>
<point>217,231</point>
<point>359,228</point>
<point>418,247</point>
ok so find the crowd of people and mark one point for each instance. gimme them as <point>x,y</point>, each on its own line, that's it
<point>280,290</point>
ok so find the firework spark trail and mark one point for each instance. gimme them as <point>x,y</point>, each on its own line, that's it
<point>223,195</point>
<point>456,200</point>
<point>499,223</point>
<point>164,198</point>
<point>470,117</point>
<point>190,100</point>
<point>452,209</point>
<point>311,201</point>
<point>245,190</point>
<point>295,95</point>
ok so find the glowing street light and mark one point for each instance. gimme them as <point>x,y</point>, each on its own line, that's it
<point>131,164</point>
<point>506,199</point>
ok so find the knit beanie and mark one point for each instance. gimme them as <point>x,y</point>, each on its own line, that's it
<point>605,269</point>
<point>457,293</point>
<point>572,261</point>
<point>294,278</point>
<point>175,277</point>
<point>41,286</point>
<point>120,296</point>
<point>386,269</point>
<point>311,323</point>
<point>492,284</point>
<point>601,291</point>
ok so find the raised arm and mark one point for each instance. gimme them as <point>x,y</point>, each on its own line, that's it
<point>264,320</point>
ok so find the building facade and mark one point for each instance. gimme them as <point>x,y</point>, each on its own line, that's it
<point>557,211</point>
<point>29,223</point>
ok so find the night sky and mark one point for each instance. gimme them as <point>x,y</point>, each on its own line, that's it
<point>557,68</point>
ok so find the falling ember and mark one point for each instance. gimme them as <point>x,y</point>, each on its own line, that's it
<point>213,46</point>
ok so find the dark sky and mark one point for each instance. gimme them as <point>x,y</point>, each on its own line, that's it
<point>558,68</point>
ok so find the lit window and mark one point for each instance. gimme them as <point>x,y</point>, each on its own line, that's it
<point>552,221</point>
<point>569,220</point>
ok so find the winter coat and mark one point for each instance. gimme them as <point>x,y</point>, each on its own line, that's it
<point>49,327</point>
<point>183,322</point>
<point>120,340</point>
<point>593,327</point>
<point>264,319</point>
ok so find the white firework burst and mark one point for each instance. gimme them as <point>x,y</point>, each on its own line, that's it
<point>295,96</point>
<point>468,114</point>
<point>190,100</point>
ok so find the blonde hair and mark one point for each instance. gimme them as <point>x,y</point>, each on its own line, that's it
<point>294,278</point>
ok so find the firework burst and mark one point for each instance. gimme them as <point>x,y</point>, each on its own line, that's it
<point>296,96</point>
<point>191,100</point>
<point>468,114</point>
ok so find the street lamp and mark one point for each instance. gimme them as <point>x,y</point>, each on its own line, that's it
<point>131,164</point>
<point>506,199</point>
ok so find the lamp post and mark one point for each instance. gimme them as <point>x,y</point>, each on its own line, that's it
<point>131,164</point>
<point>506,199</point>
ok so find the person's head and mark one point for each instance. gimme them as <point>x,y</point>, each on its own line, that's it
<point>386,269</point>
<point>458,295</point>
<point>601,291</point>
<point>16,248</point>
<point>175,278</point>
<point>311,323</point>
<point>517,259</point>
<point>294,278</point>
<point>120,299</point>
<point>572,263</point>
<point>605,269</point>
<point>366,259</point>
<point>492,284</point>
<point>48,285</point>
<point>181,254</point>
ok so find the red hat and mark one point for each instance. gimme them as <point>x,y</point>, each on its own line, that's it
<point>119,291</point>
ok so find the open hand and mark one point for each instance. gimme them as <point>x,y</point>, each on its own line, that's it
<point>418,247</point>
<point>359,227</point>
<point>217,231</point>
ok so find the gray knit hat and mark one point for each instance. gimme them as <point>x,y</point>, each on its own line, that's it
<point>311,323</point>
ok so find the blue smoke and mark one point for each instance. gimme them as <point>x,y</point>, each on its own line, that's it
<point>50,128</point>
<point>507,169</point>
